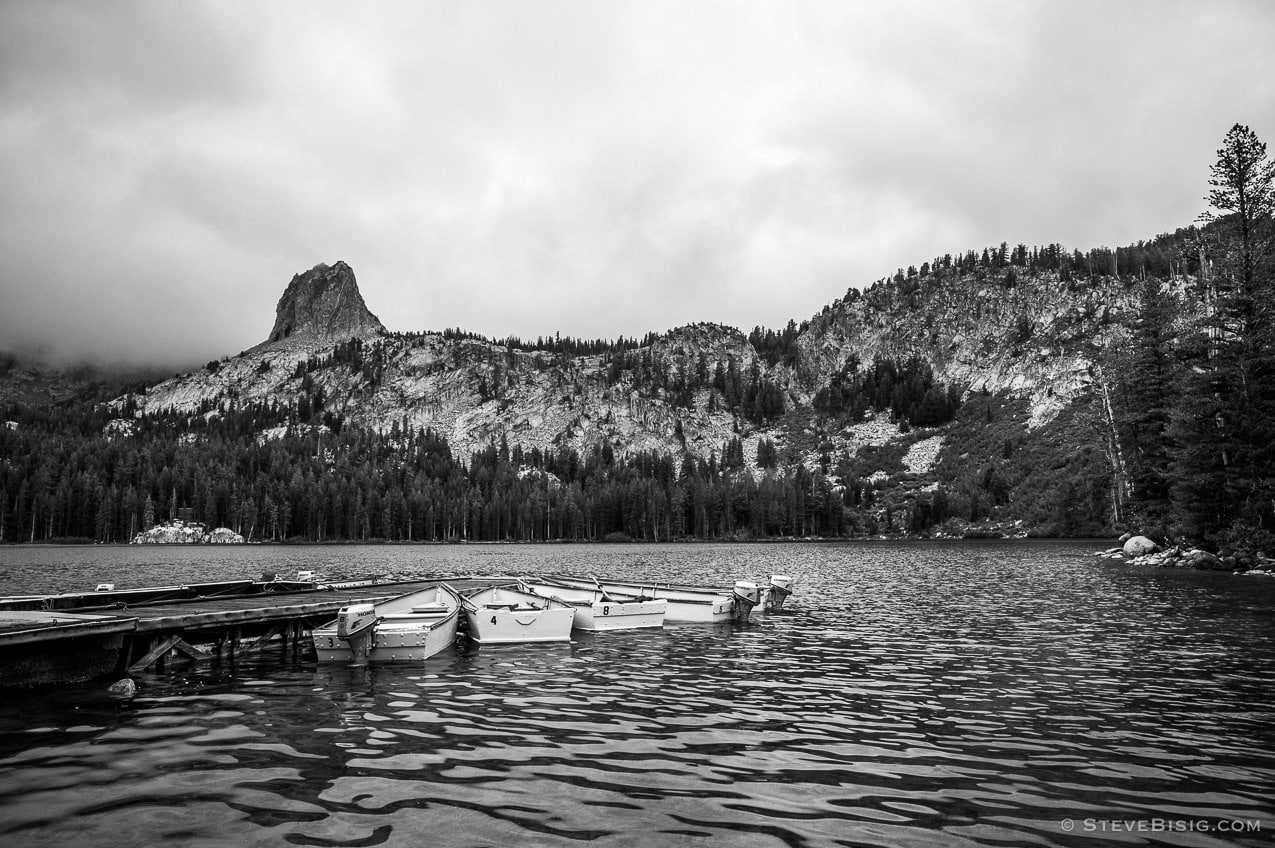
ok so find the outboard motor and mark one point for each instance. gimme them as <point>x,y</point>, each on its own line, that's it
<point>780,589</point>
<point>354,624</point>
<point>747,595</point>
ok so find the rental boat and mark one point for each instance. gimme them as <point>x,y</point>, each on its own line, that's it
<point>508,614</point>
<point>696,604</point>
<point>408,628</point>
<point>596,609</point>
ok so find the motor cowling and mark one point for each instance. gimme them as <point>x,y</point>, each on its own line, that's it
<point>747,595</point>
<point>780,589</point>
<point>748,590</point>
<point>355,620</point>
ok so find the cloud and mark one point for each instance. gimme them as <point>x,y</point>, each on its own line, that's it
<point>594,169</point>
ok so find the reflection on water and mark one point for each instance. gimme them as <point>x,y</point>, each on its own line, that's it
<point>959,694</point>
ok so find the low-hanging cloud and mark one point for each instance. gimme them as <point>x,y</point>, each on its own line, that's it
<point>594,169</point>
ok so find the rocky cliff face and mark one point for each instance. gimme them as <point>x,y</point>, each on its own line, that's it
<point>323,303</point>
<point>1032,336</point>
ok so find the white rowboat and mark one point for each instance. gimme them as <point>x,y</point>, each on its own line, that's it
<point>409,628</point>
<point>503,615</point>
<point>685,603</point>
<point>596,610</point>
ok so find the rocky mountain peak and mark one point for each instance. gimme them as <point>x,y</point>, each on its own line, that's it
<point>323,302</point>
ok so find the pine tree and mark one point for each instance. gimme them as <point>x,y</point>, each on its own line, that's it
<point>1243,195</point>
<point>1224,472</point>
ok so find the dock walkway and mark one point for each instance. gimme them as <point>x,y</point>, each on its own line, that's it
<point>39,646</point>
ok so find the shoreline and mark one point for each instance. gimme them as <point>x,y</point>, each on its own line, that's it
<point>784,540</point>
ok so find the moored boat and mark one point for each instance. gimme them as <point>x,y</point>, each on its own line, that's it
<point>509,615</point>
<point>409,628</point>
<point>597,610</point>
<point>695,604</point>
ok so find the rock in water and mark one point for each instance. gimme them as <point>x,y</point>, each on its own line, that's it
<point>324,302</point>
<point>1139,545</point>
<point>125,688</point>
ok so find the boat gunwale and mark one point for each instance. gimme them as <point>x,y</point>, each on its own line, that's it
<point>603,597</point>
<point>710,596</point>
<point>426,621</point>
<point>467,600</point>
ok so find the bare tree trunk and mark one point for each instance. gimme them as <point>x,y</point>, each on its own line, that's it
<point>1115,454</point>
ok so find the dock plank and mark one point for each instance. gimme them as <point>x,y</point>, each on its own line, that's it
<point>218,612</point>
<point>26,627</point>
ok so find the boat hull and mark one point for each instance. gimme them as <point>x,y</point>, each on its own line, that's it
<point>685,604</point>
<point>503,616</point>
<point>598,612</point>
<point>410,628</point>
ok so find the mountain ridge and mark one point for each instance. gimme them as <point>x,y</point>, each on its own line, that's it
<point>1036,338</point>
<point>969,393</point>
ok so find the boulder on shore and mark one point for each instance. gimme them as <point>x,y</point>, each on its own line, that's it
<point>223,536</point>
<point>1206,560</point>
<point>1138,546</point>
<point>177,532</point>
<point>1188,557</point>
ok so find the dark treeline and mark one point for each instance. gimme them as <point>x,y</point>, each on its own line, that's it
<point>908,390</point>
<point>65,478</point>
<point>777,348</point>
<point>1166,256</point>
<point>557,344</point>
<point>749,393</point>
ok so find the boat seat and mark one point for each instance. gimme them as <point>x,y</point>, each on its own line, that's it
<point>414,616</point>
<point>423,608</point>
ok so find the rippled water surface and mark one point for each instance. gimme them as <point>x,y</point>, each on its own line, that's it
<point>916,694</point>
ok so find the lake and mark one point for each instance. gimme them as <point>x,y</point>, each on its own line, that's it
<point>914,694</point>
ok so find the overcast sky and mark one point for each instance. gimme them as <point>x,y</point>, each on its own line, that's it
<point>595,168</point>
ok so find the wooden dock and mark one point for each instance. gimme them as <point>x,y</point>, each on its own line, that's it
<point>44,646</point>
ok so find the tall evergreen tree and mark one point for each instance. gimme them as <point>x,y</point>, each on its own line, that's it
<point>1224,473</point>
<point>1242,197</point>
